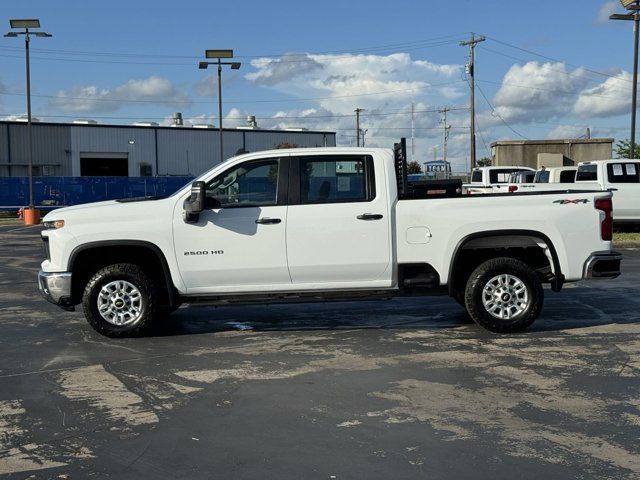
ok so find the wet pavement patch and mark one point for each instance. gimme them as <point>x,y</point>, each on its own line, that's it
<point>406,388</point>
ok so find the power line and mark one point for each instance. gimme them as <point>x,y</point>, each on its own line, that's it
<point>529,87</point>
<point>531,52</point>
<point>181,101</point>
<point>494,112</point>
<point>546,66</point>
<point>436,40</point>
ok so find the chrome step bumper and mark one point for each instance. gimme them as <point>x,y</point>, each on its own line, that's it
<point>602,265</point>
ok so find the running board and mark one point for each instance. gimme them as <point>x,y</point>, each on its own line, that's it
<point>289,297</point>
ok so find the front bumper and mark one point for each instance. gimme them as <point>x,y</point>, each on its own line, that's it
<point>56,288</point>
<point>602,265</point>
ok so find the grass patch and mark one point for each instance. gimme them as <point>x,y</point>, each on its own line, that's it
<point>626,238</point>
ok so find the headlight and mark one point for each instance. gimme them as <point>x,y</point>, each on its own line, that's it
<point>53,224</point>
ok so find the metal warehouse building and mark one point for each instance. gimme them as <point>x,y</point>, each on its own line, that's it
<point>89,149</point>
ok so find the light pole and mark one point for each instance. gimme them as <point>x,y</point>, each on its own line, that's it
<point>634,6</point>
<point>218,55</point>
<point>25,25</point>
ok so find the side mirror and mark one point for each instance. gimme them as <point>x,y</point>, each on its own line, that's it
<point>195,203</point>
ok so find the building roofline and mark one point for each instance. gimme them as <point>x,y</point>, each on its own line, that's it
<point>561,141</point>
<point>164,127</point>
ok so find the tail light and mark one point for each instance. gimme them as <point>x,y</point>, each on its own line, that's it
<point>513,188</point>
<point>606,225</point>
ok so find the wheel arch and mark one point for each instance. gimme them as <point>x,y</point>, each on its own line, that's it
<point>124,249</point>
<point>557,279</point>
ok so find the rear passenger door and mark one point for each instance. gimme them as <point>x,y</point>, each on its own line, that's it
<point>338,222</point>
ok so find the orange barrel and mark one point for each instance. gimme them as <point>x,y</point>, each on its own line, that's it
<point>31,216</point>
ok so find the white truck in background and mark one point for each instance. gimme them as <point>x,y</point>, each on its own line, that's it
<point>485,180</point>
<point>620,175</point>
<point>321,224</point>
<point>546,179</point>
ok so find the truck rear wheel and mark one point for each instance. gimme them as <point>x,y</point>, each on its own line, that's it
<point>120,300</point>
<point>504,295</point>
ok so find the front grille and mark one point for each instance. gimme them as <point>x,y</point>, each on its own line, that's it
<point>47,252</point>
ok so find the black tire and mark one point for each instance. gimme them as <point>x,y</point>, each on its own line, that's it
<point>522,317</point>
<point>149,303</point>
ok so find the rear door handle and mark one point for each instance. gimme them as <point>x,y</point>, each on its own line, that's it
<point>369,216</point>
<point>268,221</point>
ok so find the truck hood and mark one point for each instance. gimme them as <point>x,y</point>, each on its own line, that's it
<point>100,208</point>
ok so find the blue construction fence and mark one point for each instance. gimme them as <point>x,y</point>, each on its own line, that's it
<point>65,191</point>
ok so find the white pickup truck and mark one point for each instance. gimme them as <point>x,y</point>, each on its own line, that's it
<point>620,175</point>
<point>321,224</point>
<point>486,180</point>
<point>545,179</point>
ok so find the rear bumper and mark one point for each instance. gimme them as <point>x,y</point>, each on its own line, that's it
<point>602,265</point>
<point>56,288</point>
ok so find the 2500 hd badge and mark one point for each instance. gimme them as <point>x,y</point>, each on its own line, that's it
<point>205,252</point>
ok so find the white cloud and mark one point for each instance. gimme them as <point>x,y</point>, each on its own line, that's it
<point>342,82</point>
<point>538,91</point>
<point>611,97</point>
<point>607,9</point>
<point>568,131</point>
<point>90,98</point>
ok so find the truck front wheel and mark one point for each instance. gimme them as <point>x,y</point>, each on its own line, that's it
<point>504,295</point>
<point>120,300</point>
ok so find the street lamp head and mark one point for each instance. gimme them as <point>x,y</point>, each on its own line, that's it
<point>218,53</point>
<point>235,66</point>
<point>203,65</point>
<point>24,23</point>
<point>42,34</point>
<point>11,34</point>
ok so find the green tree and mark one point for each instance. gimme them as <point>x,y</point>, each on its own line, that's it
<point>623,149</point>
<point>414,167</point>
<point>484,162</point>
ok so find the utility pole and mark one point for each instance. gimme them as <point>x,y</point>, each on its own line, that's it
<point>470,70</point>
<point>413,131</point>
<point>632,6</point>
<point>446,138</point>
<point>358,110</point>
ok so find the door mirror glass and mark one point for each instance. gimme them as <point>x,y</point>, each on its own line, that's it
<point>195,203</point>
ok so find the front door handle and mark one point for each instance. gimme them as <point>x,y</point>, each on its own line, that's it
<point>268,221</point>
<point>369,216</point>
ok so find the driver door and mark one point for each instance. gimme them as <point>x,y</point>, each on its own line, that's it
<point>238,243</point>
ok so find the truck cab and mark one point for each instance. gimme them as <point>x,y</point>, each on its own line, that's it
<point>620,175</point>
<point>486,180</point>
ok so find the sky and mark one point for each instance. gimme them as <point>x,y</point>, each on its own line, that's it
<point>547,69</point>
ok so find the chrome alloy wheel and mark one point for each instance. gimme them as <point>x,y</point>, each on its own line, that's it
<point>120,303</point>
<point>505,297</point>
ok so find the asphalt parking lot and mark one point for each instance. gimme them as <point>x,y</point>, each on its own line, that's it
<point>405,388</point>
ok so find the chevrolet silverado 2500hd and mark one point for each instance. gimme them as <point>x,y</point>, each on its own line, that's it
<point>321,223</point>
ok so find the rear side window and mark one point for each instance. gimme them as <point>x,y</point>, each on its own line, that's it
<point>501,176</point>
<point>568,176</point>
<point>627,172</point>
<point>587,173</point>
<point>336,179</point>
<point>476,176</point>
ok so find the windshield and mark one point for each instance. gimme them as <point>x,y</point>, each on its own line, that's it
<point>199,177</point>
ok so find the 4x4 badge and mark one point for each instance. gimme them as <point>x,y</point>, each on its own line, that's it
<point>577,200</point>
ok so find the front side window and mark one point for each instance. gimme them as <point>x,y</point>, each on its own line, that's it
<point>336,179</point>
<point>627,172</point>
<point>250,184</point>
